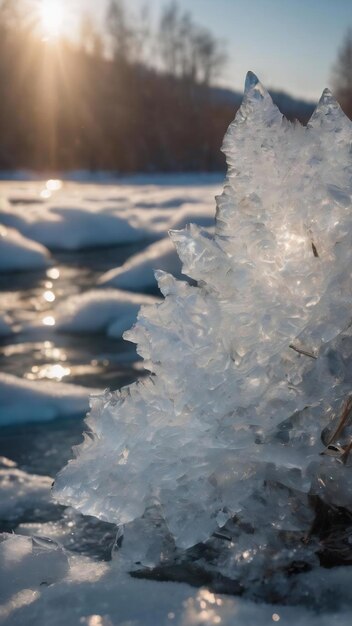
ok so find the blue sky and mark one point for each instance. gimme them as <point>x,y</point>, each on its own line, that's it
<point>290,44</point>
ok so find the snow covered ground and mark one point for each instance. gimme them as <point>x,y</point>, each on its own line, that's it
<point>43,584</point>
<point>137,274</point>
<point>101,311</point>
<point>17,253</point>
<point>71,217</point>
<point>40,400</point>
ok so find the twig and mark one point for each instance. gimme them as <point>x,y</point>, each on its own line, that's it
<point>300,351</point>
<point>343,419</point>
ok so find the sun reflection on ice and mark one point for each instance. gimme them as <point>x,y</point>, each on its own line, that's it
<point>51,352</point>
<point>96,620</point>
<point>54,184</point>
<point>204,608</point>
<point>51,185</point>
<point>53,273</point>
<point>52,372</point>
<point>49,320</point>
<point>49,296</point>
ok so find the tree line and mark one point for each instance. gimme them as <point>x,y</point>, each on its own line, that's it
<point>134,98</point>
<point>127,100</point>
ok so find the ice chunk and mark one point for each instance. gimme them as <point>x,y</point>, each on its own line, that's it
<point>248,363</point>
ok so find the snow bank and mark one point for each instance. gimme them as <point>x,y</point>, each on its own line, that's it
<point>36,401</point>
<point>17,253</point>
<point>99,311</point>
<point>137,274</point>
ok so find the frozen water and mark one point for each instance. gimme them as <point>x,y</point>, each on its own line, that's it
<point>248,365</point>
<point>5,326</point>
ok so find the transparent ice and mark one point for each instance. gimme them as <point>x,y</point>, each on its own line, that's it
<point>249,363</point>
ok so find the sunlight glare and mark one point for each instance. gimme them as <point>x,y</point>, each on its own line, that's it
<point>51,372</point>
<point>57,372</point>
<point>52,18</point>
<point>49,296</point>
<point>49,320</point>
<point>53,273</point>
<point>54,184</point>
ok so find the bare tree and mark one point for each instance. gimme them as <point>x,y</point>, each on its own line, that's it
<point>187,50</point>
<point>210,57</point>
<point>119,31</point>
<point>342,74</point>
<point>91,41</point>
<point>143,36</point>
<point>170,41</point>
<point>129,34</point>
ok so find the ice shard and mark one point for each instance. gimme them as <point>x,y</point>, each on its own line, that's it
<point>251,361</point>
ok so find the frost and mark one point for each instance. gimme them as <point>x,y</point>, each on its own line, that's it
<point>249,363</point>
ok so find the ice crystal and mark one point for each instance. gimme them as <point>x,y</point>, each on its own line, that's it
<point>249,362</point>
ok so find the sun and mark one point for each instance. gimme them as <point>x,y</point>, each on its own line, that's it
<point>51,18</point>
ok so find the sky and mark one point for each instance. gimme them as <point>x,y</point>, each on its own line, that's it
<point>290,44</point>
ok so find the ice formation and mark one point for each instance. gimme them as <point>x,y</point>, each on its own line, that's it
<point>249,363</point>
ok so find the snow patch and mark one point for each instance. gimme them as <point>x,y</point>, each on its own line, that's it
<point>101,311</point>
<point>37,401</point>
<point>138,273</point>
<point>18,253</point>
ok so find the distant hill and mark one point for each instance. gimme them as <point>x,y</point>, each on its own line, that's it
<point>292,108</point>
